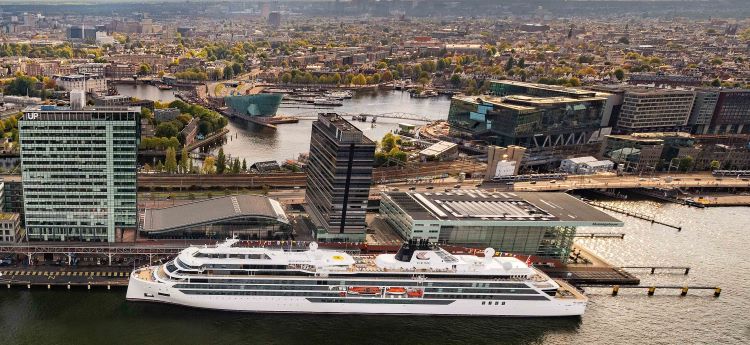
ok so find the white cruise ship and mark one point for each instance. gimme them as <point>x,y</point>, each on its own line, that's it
<point>419,279</point>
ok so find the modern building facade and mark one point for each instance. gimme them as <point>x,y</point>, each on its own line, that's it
<point>79,172</point>
<point>732,112</point>
<point>339,176</point>
<point>542,224</point>
<point>654,110</point>
<point>551,122</point>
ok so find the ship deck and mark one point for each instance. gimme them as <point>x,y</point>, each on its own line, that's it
<point>567,291</point>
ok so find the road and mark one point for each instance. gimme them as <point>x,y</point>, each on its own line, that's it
<point>695,180</point>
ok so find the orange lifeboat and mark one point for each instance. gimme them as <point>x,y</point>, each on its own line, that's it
<point>414,293</point>
<point>364,290</point>
<point>395,291</point>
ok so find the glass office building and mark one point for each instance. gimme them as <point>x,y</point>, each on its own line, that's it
<point>79,172</point>
<point>542,224</point>
<point>552,122</point>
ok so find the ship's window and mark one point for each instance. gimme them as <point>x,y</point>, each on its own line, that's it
<point>503,303</point>
<point>496,303</point>
<point>483,302</point>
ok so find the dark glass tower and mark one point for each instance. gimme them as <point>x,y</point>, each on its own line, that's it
<point>339,175</point>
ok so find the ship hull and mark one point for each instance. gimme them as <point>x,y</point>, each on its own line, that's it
<point>154,291</point>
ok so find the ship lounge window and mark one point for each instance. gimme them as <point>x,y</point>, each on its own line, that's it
<point>483,302</point>
<point>181,263</point>
<point>236,256</point>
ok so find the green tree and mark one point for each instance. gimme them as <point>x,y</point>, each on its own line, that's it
<point>184,161</point>
<point>686,163</point>
<point>166,130</point>
<point>456,80</point>
<point>236,166</point>
<point>716,82</point>
<point>170,164</point>
<point>221,161</point>
<point>521,63</point>
<point>228,72</point>
<point>244,164</point>
<point>509,65</point>
<point>236,68</point>
<point>715,165</point>
<point>623,40</point>
<point>619,74</point>
<point>286,78</point>
<point>22,85</point>
<point>144,69</point>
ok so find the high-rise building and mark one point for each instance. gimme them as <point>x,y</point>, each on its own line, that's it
<point>79,172</point>
<point>339,176</point>
<point>655,110</point>
<point>274,19</point>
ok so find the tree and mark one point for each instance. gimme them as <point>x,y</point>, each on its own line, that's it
<point>244,164</point>
<point>521,63</point>
<point>715,165</point>
<point>170,164</point>
<point>184,161</point>
<point>144,69</point>
<point>236,68</point>
<point>456,80</point>
<point>387,76</point>
<point>209,165</point>
<point>159,166</point>
<point>166,130</point>
<point>236,166</point>
<point>221,161</point>
<point>623,40</point>
<point>509,65</point>
<point>228,72</point>
<point>686,163</point>
<point>286,78</point>
<point>716,82</point>
<point>22,85</point>
<point>619,74</point>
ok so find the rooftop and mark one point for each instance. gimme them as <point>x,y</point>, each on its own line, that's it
<point>550,209</point>
<point>211,211</point>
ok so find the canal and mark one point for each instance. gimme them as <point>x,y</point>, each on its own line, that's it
<point>257,143</point>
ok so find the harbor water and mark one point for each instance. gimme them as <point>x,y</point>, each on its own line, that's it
<point>713,243</point>
<point>257,143</point>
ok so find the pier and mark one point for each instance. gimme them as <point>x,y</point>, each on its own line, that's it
<point>654,268</point>
<point>633,214</point>
<point>651,289</point>
<point>600,235</point>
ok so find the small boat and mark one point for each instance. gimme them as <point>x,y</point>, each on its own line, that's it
<point>326,101</point>
<point>340,94</point>
<point>395,290</point>
<point>364,290</point>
